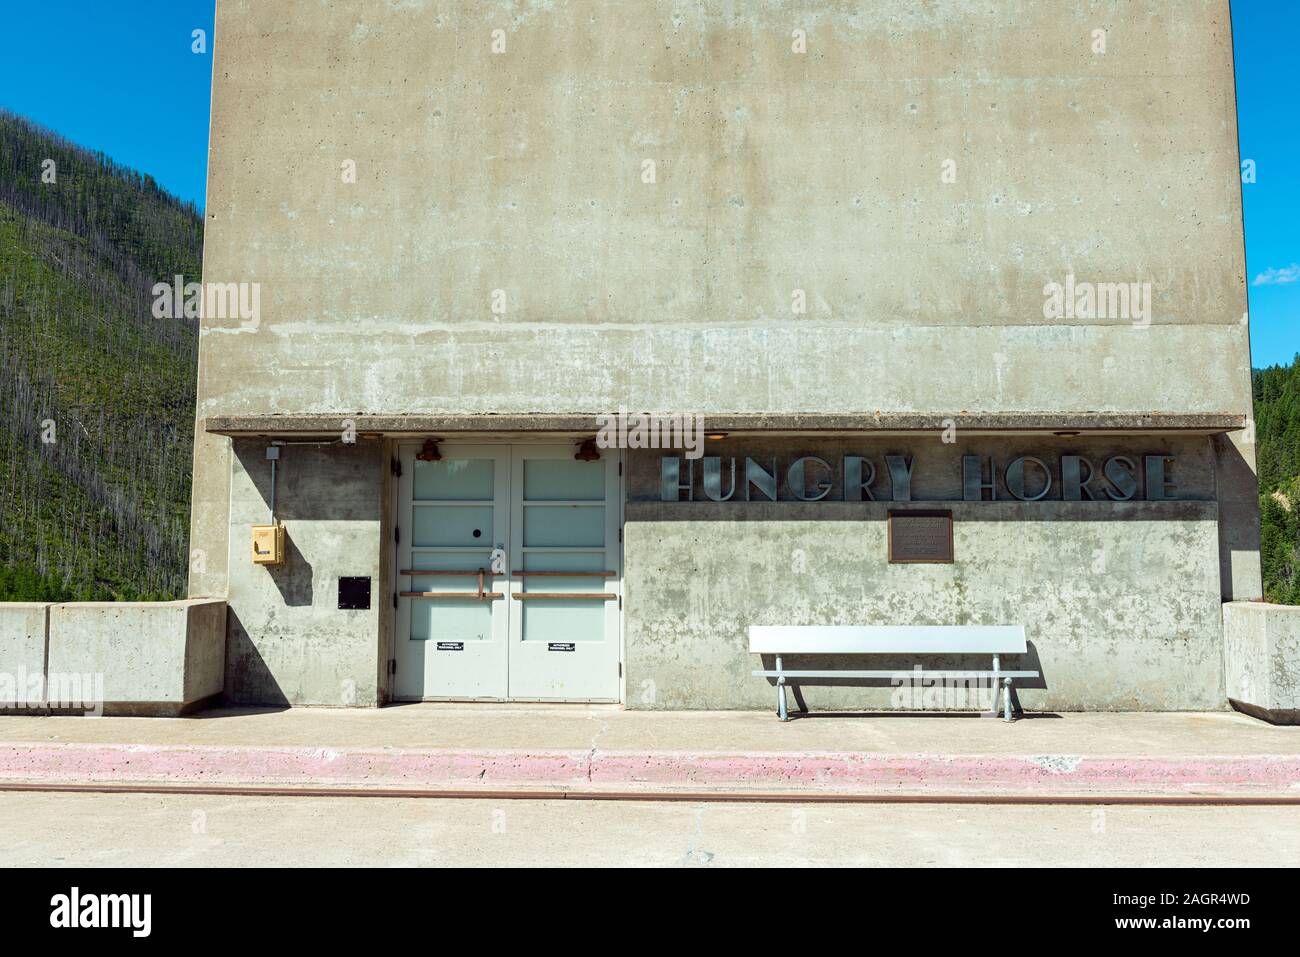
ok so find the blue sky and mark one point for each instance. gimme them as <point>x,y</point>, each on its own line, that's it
<point>1265,36</point>
<point>121,77</point>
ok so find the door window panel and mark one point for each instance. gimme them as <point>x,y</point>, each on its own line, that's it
<point>563,480</point>
<point>450,560</point>
<point>451,525</point>
<point>566,561</point>
<point>565,525</point>
<point>450,619</point>
<point>454,480</point>
<point>577,620</point>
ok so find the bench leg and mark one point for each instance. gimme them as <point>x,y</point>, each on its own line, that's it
<point>1006,699</point>
<point>780,692</point>
<point>997,687</point>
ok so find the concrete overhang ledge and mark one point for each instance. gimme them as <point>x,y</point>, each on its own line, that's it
<point>331,424</point>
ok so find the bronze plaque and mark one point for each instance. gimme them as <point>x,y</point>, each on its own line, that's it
<point>918,537</point>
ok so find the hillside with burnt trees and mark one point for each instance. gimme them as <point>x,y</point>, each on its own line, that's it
<point>96,395</point>
<point>1277,429</point>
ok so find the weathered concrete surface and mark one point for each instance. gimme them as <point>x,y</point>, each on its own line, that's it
<point>776,174</point>
<point>136,657</point>
<point>288,641</point>
<point>1240,572</point>
<point>1120,600</point>
<point>149,830</point>
<point>645,769</point>
<point>1262,659</point>
<point>610,728</point>
<point>694,584</point>
<point>774,171</point>
<point>331,425</point>
<point>580,749</point>
<point>24,628</point>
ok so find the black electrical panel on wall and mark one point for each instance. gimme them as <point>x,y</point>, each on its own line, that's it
<point>354,592</point>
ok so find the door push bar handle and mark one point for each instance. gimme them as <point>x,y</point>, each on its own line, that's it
<point>441,571</point>
<point>480,572</point>
<point>462,595</point>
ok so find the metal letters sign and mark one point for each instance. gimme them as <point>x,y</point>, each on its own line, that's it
<point>810,478</point>
<point>920,537</point>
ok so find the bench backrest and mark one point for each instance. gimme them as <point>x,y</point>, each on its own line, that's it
<point>887,639</point>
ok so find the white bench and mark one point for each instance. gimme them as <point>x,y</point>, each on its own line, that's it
<point>994,640</point>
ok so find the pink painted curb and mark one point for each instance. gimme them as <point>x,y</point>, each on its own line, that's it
<point>869,773</point>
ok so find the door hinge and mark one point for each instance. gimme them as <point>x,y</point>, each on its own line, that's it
<point>620,602</point>
<point>620,468</point>
<point>397,534</point>
<point>620,669</point>
<point>396,467</point>
<point>392,666</point>
<point>394,599</point>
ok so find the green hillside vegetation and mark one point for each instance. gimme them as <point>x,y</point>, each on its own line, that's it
<point>100,512</point>
<point>1277,432</point>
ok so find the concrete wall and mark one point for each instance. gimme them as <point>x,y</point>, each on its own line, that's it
<point>1237,490</point>
<point>288,641</point>
<point>24,632</point>
<point>136,657</point>
<point>1262,659</point>
<point>1120,600</point>
<point>774,172</point>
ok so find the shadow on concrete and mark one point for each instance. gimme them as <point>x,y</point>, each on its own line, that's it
<point>293,578</point>
<point>248,679</point>
<point>232,711</point>
<point>987,716</point>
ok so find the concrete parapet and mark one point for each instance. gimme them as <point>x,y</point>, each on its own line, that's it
<point>24,630</point>
<point>146,658</point>
<point>1262,659</point>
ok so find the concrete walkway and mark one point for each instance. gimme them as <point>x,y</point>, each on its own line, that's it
<point>581,749</point>
<point>187,830</point>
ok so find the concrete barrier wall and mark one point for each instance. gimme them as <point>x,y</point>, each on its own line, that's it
<point>1261,649</point>
<point>24,630</point>
<point>112,657</point>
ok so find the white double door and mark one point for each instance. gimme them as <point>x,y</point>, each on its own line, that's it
<point>509,574</point>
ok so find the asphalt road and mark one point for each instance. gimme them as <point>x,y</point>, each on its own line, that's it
<point>44,829</point>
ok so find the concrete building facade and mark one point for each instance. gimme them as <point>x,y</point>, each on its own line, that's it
<point>881,257</point>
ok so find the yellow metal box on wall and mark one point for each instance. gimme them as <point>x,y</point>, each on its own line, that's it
<point>268,544</point>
